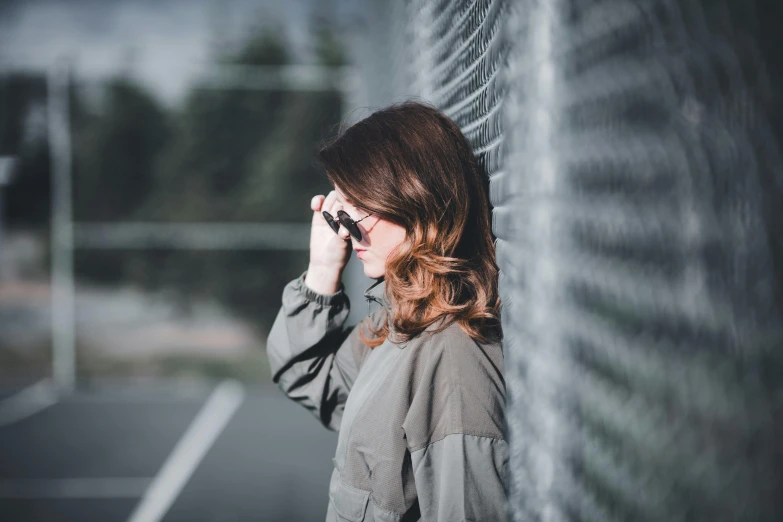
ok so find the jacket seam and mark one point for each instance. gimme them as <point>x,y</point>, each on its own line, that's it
<point>376,506</point>
<point>485,435</point>
<point>454,387</point>
<point>351,486</point>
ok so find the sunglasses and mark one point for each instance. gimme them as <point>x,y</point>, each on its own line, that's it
<point>346,221</point>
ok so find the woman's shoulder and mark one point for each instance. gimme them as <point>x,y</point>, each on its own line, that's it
<point>462,351</point>
<point>461,387</point>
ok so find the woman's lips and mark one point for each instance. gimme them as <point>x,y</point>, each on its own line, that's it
<point>360,253</point>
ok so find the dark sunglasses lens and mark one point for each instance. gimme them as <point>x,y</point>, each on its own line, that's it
<point>332,223</point>
<point>349,224</point>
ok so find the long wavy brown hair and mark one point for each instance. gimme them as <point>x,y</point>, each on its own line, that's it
<point>410,164</point>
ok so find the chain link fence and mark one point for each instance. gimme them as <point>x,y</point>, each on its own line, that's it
<point>633,158</point>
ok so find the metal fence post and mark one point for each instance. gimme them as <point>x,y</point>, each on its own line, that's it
<point>63,327</point>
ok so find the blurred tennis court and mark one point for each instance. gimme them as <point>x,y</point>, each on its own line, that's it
<point>154,189</point>
<point>218,453</point>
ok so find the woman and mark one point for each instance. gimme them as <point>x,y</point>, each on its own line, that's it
<point>416,390</point>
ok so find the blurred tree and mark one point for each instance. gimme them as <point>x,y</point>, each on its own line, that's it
<point>240,155</point>
<point>201,174</point>
<point>328,47</point>
<point>285,176</point>
<point>227,155</point>
<point>115,150</point>
<point>116,143</point>
<point>23,134</point>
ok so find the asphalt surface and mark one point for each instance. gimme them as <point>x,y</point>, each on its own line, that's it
<point>93,456</point>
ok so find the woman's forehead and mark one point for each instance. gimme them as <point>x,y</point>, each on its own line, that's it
<point>340,196</point>
<point>344,200</point>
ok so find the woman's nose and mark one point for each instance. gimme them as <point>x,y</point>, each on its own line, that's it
<point>343,232</point>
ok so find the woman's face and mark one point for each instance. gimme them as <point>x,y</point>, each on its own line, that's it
<point>379,238</point>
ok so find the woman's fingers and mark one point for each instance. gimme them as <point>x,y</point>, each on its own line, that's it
<point>332,205</point>
<point>316,202</point>
<point>329,202</point>
<point>321,203</point>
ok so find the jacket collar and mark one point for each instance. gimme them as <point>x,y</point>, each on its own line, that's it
<point>377,292</point>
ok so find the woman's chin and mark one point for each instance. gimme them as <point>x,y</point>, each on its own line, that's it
<point>371,271</point>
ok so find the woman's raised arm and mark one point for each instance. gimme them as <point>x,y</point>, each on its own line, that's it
<point>314,358</point>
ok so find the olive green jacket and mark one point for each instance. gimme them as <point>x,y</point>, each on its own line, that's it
<point>421,424</point>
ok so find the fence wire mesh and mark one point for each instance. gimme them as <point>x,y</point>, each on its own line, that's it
<point>633,157</point>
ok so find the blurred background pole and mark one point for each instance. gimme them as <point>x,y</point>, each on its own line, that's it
<point>63,335</point>
<point>7,164</point>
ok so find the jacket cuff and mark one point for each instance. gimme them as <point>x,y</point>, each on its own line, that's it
<point>312,295</point>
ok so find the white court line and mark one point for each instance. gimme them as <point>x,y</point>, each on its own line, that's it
<point>188,452</point>
<point>81,488</point>
<point>27,402</point>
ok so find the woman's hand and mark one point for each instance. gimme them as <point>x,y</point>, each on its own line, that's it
<point>329,252</point>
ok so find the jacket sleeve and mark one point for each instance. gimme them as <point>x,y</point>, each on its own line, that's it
<point>314,358</point>
<point>462,478</point>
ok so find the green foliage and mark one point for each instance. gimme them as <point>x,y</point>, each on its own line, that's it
<point>224,154</point>
<point>328,47</point>
<point>243,156</point>
<point>26,199</point>
<point>114,153</point>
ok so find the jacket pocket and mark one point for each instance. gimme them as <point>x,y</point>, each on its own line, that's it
<point>350,503</point>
